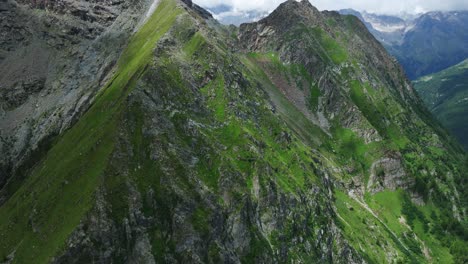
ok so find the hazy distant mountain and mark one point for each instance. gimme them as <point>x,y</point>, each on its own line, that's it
<point>434,41</point>
<point>387,29</point>
<point>227,15</point>
<point>424,45</point>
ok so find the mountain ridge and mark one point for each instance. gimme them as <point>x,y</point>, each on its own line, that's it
<point>307,145</point>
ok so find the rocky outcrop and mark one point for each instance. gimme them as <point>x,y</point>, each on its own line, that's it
<point>388,174</point>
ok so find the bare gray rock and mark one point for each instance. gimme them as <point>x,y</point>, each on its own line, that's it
<point>54,57</point>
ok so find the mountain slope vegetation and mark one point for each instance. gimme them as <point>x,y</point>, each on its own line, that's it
<point>293,139</point>
<point>445,94</point>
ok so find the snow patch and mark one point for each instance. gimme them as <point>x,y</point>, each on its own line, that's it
<point>426,78</point>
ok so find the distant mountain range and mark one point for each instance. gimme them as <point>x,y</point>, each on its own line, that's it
<point>229,16</point>
<point>423,44</point>
<point>446,95</point>
<point>389,30</point>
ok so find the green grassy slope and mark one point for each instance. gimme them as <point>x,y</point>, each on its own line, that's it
<point>374,225</point>
<point>446,95</point>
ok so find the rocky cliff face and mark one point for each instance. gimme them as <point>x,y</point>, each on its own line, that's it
<point>299,148</point>
<point>54,57</point>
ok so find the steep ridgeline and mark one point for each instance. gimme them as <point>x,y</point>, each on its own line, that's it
<point>307,145</point>
<point>446,95</point>
<point>389,154</point>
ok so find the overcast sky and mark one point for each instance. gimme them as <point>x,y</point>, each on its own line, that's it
<point>375,6</point>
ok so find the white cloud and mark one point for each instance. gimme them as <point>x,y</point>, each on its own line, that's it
<point>388,7</point>
<point>242,5</point>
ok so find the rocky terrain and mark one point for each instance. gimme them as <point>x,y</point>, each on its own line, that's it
<point>294,139</point>
<point>54,57</point>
